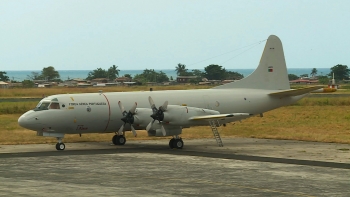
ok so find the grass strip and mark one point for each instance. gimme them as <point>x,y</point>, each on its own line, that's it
<point>305,123</point>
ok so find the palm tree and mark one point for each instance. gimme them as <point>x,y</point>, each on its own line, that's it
<point>181,68</point>
<point>113,72</point>
<point>313,72</point>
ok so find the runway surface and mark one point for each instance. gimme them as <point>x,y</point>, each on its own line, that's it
<point>243,167</point>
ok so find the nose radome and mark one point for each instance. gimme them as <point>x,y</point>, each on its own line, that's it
<point>22,121</point>
<point>29,120</point>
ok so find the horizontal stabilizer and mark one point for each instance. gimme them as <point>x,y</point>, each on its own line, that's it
<point>218,116</point>
<point>295,92</point>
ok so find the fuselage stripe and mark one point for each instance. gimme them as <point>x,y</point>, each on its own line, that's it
<point>109,111</point>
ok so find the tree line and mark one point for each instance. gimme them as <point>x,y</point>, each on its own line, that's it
<point>211,72</point>
<point>341,72</point>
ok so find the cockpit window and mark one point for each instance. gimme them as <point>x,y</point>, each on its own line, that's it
<point>47,105</point>
<point>42,106</point>
<point>55,106</point>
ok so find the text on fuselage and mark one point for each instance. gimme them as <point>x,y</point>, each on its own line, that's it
<point>93,103</point>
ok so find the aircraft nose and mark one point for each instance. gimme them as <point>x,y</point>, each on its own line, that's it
<point>27,120</point>
<point>23,121</point>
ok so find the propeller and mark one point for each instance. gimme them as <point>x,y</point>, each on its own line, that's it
<point>158,114</point>
<point>128,117</point>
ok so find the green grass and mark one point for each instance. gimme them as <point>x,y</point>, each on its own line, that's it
<point>16,107</point>
<point>324,101</point>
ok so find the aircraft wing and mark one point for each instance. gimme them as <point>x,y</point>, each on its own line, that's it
<point>218,116</point>
<point>295,92</point>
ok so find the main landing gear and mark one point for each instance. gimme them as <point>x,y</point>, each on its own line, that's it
<point>176,142</point>
<point>118,140</point>
<point>60,145</point>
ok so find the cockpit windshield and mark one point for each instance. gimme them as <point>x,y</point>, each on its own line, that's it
<point>45,105</point>
<point>42,106</point>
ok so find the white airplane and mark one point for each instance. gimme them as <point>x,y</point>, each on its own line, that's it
<point>166,113</point>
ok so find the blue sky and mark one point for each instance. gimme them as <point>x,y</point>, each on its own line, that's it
<point>158,34</point>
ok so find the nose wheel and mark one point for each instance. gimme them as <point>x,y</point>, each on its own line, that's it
<point>60,146</point>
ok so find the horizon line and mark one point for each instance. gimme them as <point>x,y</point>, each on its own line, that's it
<point>157,69</point>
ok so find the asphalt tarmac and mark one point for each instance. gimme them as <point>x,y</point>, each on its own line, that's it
<point>243,167</point>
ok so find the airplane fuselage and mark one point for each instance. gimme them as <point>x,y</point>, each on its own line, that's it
<point>99,112</point>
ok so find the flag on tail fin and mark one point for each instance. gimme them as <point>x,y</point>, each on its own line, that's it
<point>270,69</point>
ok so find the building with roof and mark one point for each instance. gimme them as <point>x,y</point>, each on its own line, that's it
<point>99,80</point>
<point>185,79</point>
<point>303,81</point>
<point>122,79</point>
<point>4,84</point>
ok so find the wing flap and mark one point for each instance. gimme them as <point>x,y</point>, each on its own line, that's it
<point>219,116</point>
<point>295,92</point>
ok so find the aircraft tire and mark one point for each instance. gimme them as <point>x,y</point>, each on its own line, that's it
<point>115,140</point>
<point>171,143</point>
<point>121,140</point>
<point>60,146</point>
<point>178,143</point>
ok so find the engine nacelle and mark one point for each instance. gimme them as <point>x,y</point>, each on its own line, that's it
<point>175,118</point>
<point>142,117</point>
<point>169,132</point>
<point>179,115</point>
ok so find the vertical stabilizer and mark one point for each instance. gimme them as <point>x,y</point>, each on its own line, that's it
<point>271,73</point>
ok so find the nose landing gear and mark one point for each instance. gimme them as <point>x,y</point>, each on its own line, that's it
<point>59,136</point>
<point>60,145</point>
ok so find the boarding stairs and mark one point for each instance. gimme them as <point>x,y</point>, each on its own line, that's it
<point>214,124</point>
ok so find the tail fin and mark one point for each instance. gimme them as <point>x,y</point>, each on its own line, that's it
<point>271,73</point>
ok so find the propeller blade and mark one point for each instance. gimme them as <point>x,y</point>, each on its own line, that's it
<point>163,130</point>
<point>133,130</point>
<point>121,107</point>
<point>153,106</point>
<point>149,125</point>
<point>151,102</point>
<point>164,106</point>
<point>133,109</point>
<point>121,130</point>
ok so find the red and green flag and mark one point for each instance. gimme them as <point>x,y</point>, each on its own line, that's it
<point>270,69</point>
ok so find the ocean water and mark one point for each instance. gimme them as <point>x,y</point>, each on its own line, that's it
<point>71,74</point>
